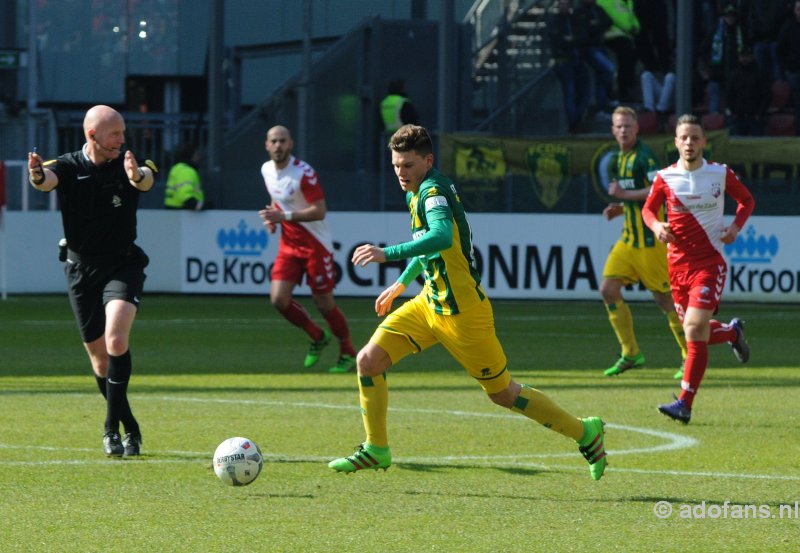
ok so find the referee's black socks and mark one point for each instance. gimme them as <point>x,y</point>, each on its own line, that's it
<point>116,394</point>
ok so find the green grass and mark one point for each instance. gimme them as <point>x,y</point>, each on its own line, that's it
<point>468,476</point>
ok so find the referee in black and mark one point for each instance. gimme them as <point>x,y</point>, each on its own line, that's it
<point>98,191</point>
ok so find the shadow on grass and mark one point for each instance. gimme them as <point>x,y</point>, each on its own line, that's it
<point>433,468</point>
<point>693,501</point>
<point>327,385</point>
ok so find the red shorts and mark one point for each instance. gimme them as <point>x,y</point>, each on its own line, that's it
<point>699,288</point>
<point>315,261</point>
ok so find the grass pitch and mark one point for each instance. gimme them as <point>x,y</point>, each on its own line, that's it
<point>468,476</point>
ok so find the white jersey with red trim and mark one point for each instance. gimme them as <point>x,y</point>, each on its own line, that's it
<point>695,210</point>
<point>293,188</point>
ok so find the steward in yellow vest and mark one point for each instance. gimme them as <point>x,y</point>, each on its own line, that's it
<point>183,182</point>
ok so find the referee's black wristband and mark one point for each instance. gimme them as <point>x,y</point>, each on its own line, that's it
<point>141,177</point>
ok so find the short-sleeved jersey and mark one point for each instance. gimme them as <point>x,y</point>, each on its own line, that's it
<point>98,203</point>
<point>292,188</point>
<point>635,171</point>
<point>695,208</point>
<point>452,283</point>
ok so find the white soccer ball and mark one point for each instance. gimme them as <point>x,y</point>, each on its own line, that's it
<point>238,461</point>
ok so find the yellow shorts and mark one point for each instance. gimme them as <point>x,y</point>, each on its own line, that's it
<point>645,265</point>
<point>469,337</point>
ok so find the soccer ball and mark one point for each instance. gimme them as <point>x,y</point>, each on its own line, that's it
<point>238,461</point>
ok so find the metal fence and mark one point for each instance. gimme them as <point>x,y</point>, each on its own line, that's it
<point>154,136</point>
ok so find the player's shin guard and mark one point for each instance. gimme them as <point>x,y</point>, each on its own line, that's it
<point>374,397</point>
<point>535,405</point>
<point>621,319</point>
<point>119,373</point>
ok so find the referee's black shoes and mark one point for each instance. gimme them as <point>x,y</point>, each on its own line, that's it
<point>112,445</point>
<point>132,443</point>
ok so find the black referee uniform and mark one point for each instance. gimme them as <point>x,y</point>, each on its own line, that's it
<point>98,210</point>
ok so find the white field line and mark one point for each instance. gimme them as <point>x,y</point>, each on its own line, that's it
<point>191,457</point>
<point>673,442</point>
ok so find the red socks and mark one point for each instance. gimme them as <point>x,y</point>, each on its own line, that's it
<point>721,333</point>
<point>298,316</point>
<point>338,325</point>
<point>693,370</point>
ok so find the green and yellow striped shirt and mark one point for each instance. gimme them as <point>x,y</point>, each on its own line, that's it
<point>636,170</point>
<point>452,283</point>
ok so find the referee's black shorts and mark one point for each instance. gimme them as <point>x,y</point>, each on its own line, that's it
<point>94,281</point>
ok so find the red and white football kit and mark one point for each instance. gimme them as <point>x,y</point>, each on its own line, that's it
<point>695,211</point>
<point>305,246</point>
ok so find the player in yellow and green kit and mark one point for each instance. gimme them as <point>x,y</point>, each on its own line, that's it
<point>637,256</point>
<point>452,309</point>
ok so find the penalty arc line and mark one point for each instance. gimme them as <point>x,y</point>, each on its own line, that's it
<point>674,442</point>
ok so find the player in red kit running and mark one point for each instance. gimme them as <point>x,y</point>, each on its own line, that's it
<point>298,205</point>
<point>695,231</point>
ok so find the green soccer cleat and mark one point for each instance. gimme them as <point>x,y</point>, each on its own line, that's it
<point>366,456</point>
<point>625,363</point>
<point>345,364</point>
<point>679,375</point>
<point>315,349</point>
<point>592,446</point>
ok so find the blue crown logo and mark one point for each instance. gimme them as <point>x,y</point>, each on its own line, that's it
<point>240,241</point>
<point>752,249</point>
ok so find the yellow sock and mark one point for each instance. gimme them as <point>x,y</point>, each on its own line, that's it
<point>621,319</point>
<point>677,330</point>
<point>535,405</point>
<point>374,396</point>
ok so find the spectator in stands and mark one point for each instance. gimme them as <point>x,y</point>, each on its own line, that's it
<point>658,91</point>
<point>567,63</point>
<point>620,40</point>
<point>720,55</point>
<point>763,25</point>
<point>653,47</point>
<point>591,23</point>
<point>653,43</point>
<point>184,190</point>
<point>396,108</point>
<point>706,14</point>
<point>789,58</point>
<point>748,94</point>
